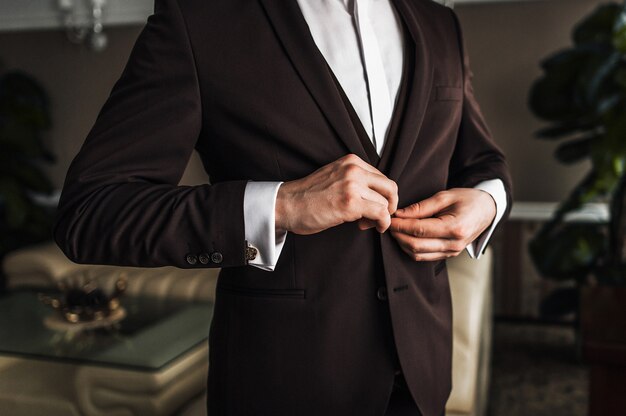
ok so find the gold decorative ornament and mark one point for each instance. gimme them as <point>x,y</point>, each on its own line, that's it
<point>83,305</point>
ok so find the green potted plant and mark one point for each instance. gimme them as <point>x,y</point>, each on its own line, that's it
<point>582,95</point>
<point>24,116</point>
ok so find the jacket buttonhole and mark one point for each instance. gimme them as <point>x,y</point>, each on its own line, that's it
<point>400,288</point>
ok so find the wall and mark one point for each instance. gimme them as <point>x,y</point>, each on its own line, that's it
<point>505,42</point>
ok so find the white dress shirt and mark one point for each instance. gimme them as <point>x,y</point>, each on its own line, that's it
<point>362,42</point>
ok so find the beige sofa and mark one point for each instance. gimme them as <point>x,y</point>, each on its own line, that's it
<point>168,392</point>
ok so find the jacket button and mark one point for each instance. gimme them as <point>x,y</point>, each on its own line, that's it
<point>191,259</point>
<point>382,293</point>
<point>203,258</point>
<point>216,257</point>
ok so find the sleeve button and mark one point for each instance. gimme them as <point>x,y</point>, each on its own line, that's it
<point>203,258</point>
<point>191,259</point>
<point>381,294</point>
<point>216,257</point>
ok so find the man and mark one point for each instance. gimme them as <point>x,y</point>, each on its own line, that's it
<point>315,120</point>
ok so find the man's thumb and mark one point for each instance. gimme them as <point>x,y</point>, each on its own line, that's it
<point>410,211</point>
<point>423,209</point>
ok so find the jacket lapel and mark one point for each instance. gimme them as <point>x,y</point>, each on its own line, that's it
<point>407,119</point>
<point>296,38</point>
<point>366,142</point>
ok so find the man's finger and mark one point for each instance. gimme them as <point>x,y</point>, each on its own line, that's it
<point>438,227</point>
<point>371,195</point>
<point>426,208</point>
<point>429,245</point>
<point>424,256</point>
<point>352,158</point>
<point>429,256</point>
<point>366,224</point>
<point>385,187</point>
<point>377,213</point>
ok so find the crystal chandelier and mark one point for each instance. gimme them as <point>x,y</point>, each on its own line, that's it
<point>90,33</point>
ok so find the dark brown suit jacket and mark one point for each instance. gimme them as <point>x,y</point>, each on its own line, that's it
<point>243,83</point>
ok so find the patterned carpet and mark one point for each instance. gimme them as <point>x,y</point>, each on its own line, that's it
<point>536,372</point>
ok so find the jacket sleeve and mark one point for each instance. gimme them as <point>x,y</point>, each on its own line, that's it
<point>476,156</point>
<point>121,203</point>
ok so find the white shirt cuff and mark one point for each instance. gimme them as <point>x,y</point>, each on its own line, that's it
<point>259,204</point>
<point>495,188</point>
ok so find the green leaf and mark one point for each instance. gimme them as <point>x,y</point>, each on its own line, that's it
<point>597,73</point>
<point>569,253</point>
<point>615,138</point>
<point>15,203</point>
<point>617,230</point>
<point>570,77</point>
<point>565,128</point>
<point>22,94</point>
<point>583,192</point>
<point>26,174</point>
<point>24,115</point>
<point>21,139</point>
<point>566,61</point>
<point>619,31</point>
<point>597,27</point>
<point>551,99</point>
<point>620,76</point>
<point>575,150</point>
<point>609,102</point>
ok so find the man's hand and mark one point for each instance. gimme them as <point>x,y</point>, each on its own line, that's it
<point>346,190</point>
<point>444,224</point>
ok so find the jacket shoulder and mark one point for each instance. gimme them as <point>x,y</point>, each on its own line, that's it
<point>432,6</point>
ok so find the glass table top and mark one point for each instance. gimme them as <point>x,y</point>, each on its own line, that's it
<point>153,333</point>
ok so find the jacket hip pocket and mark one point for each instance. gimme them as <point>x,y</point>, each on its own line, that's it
<point>262,292</point>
